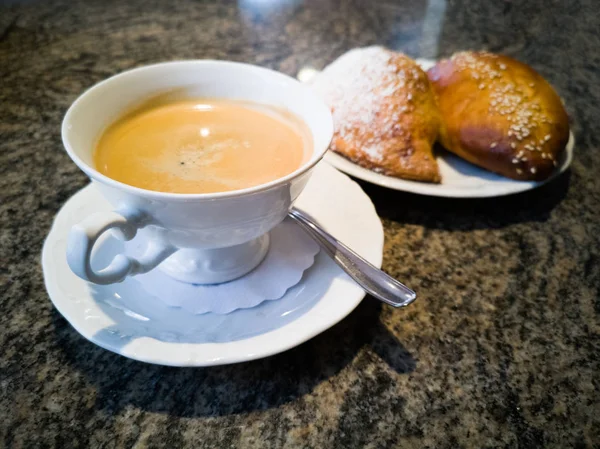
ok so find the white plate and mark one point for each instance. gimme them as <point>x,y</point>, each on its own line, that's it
<point>460,179</point>
<point>125,319</point>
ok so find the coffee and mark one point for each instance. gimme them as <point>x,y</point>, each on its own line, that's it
<point>202,146</point>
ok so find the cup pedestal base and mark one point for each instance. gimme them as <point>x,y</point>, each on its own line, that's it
<point>215,266</point>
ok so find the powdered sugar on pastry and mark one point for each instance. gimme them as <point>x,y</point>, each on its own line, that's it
<point>361,79</point>
<point>380,101</point>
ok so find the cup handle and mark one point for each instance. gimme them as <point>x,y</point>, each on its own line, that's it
<point>83,237</point>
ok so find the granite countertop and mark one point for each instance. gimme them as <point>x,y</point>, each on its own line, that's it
<point>501,350</point>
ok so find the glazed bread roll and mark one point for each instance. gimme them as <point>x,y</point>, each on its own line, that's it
<point>500,114</point>
<point>384,113</point>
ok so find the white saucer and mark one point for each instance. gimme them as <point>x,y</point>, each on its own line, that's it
<point>131,322</point>
<point>460,179</point>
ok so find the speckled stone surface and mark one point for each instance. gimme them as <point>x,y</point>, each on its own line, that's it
<point>501,350</point>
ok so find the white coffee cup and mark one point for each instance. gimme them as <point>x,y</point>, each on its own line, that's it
<point>199,238</point>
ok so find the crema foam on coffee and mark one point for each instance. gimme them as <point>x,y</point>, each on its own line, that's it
<point>202,146</point>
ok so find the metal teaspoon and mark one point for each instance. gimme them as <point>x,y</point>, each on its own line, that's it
<point>374,281</point>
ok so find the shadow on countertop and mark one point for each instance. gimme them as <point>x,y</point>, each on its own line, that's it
<point>231,389</point>
<point>457,214</point>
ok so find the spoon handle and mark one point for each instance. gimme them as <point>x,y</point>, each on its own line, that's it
<point>374,281</point>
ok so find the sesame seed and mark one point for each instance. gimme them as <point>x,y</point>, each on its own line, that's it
<point>524,159</point>
<point>544,156</point>
<point>506,98</point>
<point>515,161</point>
<point>547,137</point>
<point>533,170</point>
<point>555,163</point>
<point>493,145</point>
<point>519,171</point>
